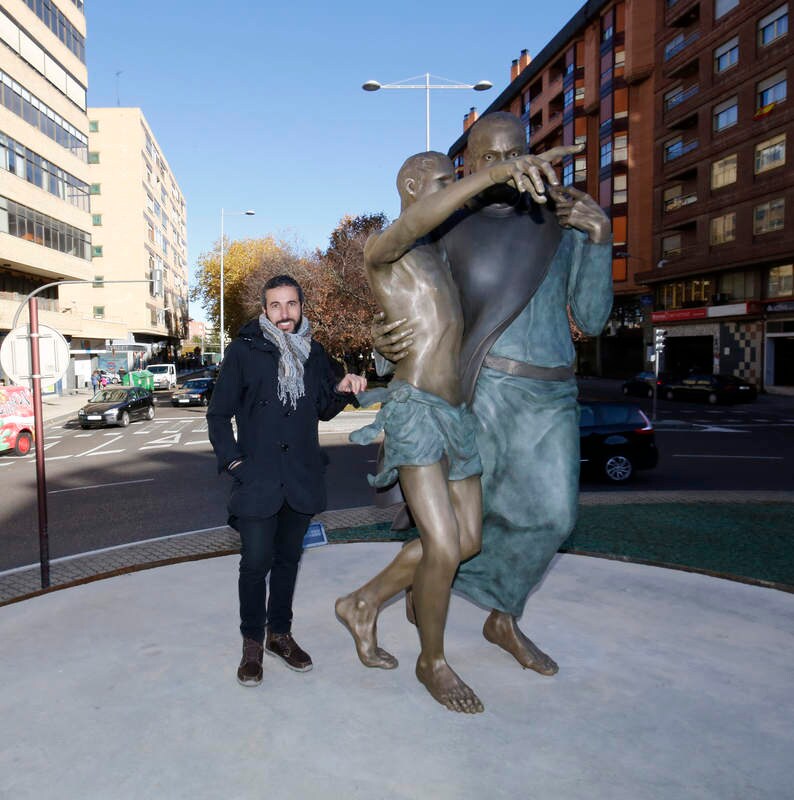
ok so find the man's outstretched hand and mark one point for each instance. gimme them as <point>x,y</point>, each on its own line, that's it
<point>352,384</point>
<point>576,209</point>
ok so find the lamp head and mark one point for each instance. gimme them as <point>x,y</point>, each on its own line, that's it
<point>370,86</point>
<point>482,86</point>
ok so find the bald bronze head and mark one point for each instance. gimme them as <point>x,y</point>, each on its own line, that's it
<point>422,174</point>
<point>495,137</point>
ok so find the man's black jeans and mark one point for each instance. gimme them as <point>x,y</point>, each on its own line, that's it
<point>273,545</point>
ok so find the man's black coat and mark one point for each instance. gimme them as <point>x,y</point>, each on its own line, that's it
<point>279,445</point>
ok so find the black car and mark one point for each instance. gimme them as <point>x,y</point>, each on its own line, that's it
<point>195,392</point>
<point>616,439</point>
<point>117,405</point>
<point>641,385</point>
<point>712,389</point>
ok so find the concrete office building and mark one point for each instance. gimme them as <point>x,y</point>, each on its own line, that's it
<point>45,222</point>
<point>723,213</point>
<point>138,227</point>
<point>593,84</point>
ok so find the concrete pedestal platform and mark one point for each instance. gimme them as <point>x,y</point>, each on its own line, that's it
<point>671,686</point>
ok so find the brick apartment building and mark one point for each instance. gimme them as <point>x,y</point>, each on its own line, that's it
<point>649,87</point>
<point>723,212</point>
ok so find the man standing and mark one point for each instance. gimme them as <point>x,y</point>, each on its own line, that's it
<point>277,382</point>
<point>520,268</point>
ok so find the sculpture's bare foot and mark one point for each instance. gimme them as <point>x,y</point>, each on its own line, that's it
<point>502,630</point>
<point>360,618</point>
<point>410,611</point>
<point>444,684</point>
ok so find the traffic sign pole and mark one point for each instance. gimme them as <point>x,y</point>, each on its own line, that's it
<point>38,426</point>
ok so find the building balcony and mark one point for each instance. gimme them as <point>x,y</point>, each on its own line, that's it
<point>681,97</point>
<point>681,13</point>
<point>679,149</point>
<point>679,45</point>
<point>679,201</point>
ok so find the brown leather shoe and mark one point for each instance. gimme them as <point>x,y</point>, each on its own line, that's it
<point>283,646</point>
<point>249,672</point>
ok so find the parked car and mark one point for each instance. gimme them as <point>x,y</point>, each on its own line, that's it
<point>16,420</point>
<point>164,375</point>
<point>616,439</point>
<point>195,392</point>
<point>712,389</point>
<point>117,405</point>
<point>641,385</point>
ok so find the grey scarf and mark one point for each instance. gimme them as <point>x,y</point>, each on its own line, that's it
<point>293,351</point>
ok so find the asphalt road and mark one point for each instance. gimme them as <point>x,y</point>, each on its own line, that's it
<point>112,486</point>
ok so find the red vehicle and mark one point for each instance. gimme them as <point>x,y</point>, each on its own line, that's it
<point>16,420</point>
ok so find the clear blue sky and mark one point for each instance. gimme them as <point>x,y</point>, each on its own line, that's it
<point>259,105</point>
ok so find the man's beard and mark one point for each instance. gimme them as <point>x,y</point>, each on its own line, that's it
<point>298,323</point>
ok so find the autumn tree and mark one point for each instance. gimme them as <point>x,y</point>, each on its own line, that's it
<point>343,305</point>
<point>243,260</point>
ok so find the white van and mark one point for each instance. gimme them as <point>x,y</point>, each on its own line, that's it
<point>164,375</point>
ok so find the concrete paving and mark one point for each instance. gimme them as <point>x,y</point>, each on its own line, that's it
<point>672,685</point>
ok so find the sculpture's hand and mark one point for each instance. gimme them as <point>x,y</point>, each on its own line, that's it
<point>576,209</point>
<point>391,339</point>
<point>531,173</point>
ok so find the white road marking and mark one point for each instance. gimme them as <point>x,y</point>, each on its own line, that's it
<point>104,444</point>
<point>197,441</point>
<point>82,435</point>
<point>199,430</point>
<point>102,453</point>
<point>100,486</point>
<point>717,429</point>
<point>173,438</point>
<point>154,446</point>
<point>145,432</point>
<point>751,458</point>
<point>5,463</point>
<point>58,458</point>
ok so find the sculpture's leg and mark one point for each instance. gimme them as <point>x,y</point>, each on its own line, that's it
<point>358,611</point>
<point>427,492</point>
<point>502,629</point>
<point>466,497</point>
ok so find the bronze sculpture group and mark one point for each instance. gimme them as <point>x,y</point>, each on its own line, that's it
<point>477,279</point>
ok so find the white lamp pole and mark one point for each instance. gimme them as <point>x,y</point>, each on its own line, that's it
<point>221,334</point>
<point>480,86</point>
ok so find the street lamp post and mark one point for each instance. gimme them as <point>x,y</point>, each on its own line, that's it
<point>249,213</point>
<point>373,86</point>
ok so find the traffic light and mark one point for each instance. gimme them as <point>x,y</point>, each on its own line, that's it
<point>659,335</point>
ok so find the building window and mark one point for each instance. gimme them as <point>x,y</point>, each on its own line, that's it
<point>96,219</point>
<point>96,251</point>
<point>99,282</point>
<point>671,245</point>
<point>673,46</point>
<point>770,154</point>
<point>722,7</point>
<point>780,281</point>
<point>33,226</point>
<point>619,189</point>
<point>580,169</point>
<point>606,154</point>
<point>93,125</point>
<point>771,90</point>
<point>674,198</point>
<point>621,152</point>
<point>723,172</point>
<point>96,188</point>
<point>726,55</point>
<point>726,114</point>
<point>723,229</point>
<point>768,217</point>
<point>99,312</point>
<point>93,157</point>
<point>773,26</point>
<point>567,173</point>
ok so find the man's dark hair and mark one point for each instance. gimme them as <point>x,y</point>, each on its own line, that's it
<point>282,280</point>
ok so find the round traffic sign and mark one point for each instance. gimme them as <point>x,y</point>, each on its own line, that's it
<point>53,355</point>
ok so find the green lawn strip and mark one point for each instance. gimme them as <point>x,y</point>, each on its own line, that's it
<point>750,540</point>
<point>747,540</point>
